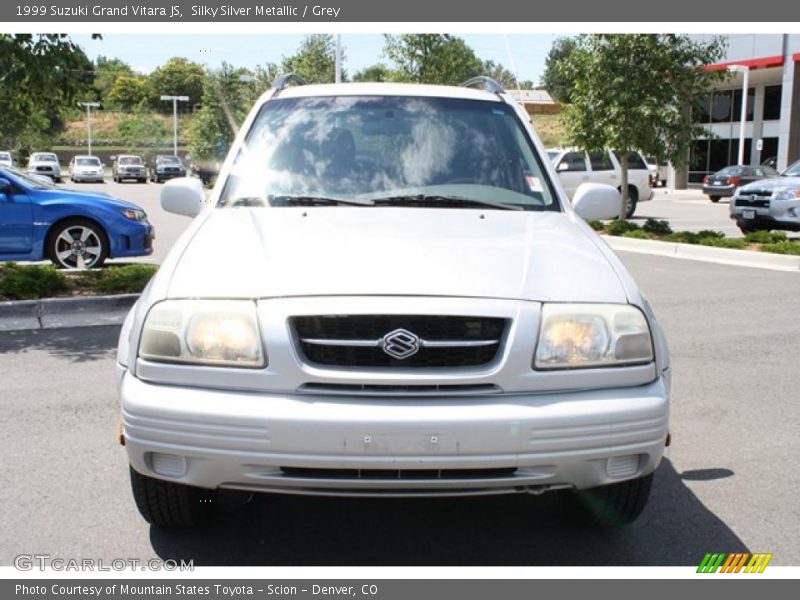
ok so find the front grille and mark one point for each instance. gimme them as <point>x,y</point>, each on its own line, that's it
<point>752,202</point>
<point>306,473</point>
<point>358,340</point>
<point>344,389</point>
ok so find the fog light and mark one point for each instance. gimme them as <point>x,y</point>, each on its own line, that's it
<point>622,466</point>
<point>169,465</point>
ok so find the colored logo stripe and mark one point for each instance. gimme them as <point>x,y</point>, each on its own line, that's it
<point>734,562</point>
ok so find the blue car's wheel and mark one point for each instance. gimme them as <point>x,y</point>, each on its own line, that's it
<point>77,244</point>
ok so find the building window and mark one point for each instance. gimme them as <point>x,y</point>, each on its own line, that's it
<point>772,102</point>
<point>737,104</point>
<point>721,105</point>
<point>701,112</point>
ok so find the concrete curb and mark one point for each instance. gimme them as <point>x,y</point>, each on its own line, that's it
<point>724,256</point>
<point>57,313</point>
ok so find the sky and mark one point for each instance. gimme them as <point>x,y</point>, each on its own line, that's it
<point>145,52</point>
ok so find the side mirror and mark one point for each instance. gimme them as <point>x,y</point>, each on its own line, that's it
<point>596,202</point>
<point>183,196</point>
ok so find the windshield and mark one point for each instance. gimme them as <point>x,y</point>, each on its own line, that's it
<point>130,160</point>
<point>87,162</point>
<point>382,150</point>
<point>732,171</point>
<point>793,170</point>
<point>22,176</point>
<point>44,157</point>
<point>168,159</point>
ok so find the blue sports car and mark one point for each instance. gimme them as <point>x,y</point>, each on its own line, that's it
<point>74,229</point>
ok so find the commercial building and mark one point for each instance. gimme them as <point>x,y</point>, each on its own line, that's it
<point>772,126</point>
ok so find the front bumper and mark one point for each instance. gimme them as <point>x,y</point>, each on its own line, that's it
<point>88,176</point>
<point>723,191</point>
<point>778,214</point>
<point>316,444</point>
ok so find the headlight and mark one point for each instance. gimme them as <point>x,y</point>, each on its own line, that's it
<point>212,332</point>
<point>788,195</point>
<point>592,335</point>
<point>134,215</point>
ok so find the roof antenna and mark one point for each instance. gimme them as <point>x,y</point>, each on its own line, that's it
<point>513,67</point>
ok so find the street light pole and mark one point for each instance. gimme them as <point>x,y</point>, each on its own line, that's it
<point>175,100</point>
<point>338,75</point>
<point>89,106</point>
<point>745,70</point>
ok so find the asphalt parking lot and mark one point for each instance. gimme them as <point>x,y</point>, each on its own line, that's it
<point>728,483</point>
<point>684,209</point>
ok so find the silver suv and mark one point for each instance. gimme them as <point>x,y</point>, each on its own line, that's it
<point>769,203</point>
<point>389,294</point>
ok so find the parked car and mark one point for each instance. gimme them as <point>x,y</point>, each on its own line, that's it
<point>769,203</point>
<point>165,167</point>
<point>723,183</point>
<point>74,229</point>
<point>128,166</point>
<point>575,167</point>
<point>389,293</point>
<point>45,163</point>
<point>6,160</point>
<point>86,168</point>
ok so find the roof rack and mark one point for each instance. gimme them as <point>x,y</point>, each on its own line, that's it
<point>284,81</point>
<point>486,83</point>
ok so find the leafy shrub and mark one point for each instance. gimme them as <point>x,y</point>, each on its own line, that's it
<point>597,225</point>
<point>723,242</point>
<point>683,237</point>
<point>125,279</point>
<point>710,233</point>
<point>657,227</point>
<point>765,237</point>
<point>637,234</point>
<point>31,282</point>
<point>784,247</point>
<point>620,227</point>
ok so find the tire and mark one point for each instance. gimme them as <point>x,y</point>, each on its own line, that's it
<point>633,198</point>
<point>168,504</point>
<point>714,198</point>
<point>91,236</point>
<point>609,505</point>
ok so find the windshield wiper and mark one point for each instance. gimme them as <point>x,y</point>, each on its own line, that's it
<point>300,200</point>
<point>442,201</point>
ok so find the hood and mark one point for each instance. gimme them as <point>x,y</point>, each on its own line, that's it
<point>71,195</point>
<point>775,184</point>
<point>272,252</point>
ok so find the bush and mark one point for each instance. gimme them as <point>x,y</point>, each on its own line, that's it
<point>597,225</point>
<point>31,282</point>
<point>620,227</point>
<point>784,247</point>
<point>125,279</point>
<point>637,234</point>
<point>683,237</point>
<point>657,227</point>
<point>765,237</point>
<point>723,242</point>
<point>710,234</point>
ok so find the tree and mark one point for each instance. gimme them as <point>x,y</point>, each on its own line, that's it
<point>636,92</point>
<point>315,60</point>
<point>501,75</point>
<point>127,92</point>
<point>106,73</point>
<point>41,75</point>
<point>555,80</point>
<point>432,58</point>
<point>227,98</point>
<point>176,77</point>
<point>378,72</point>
